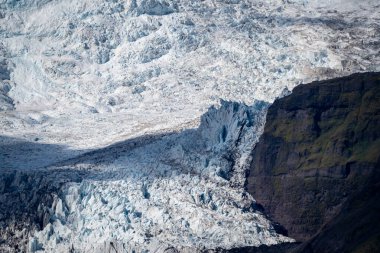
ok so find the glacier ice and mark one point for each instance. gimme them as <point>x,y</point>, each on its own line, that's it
<point>110,113</point>
<point>182,190</point>
<point>73,60</point>
<point>170,192</point>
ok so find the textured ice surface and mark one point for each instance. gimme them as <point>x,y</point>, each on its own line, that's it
<point>76,76</point>
<point>146,65</point>
<point>182,190</point>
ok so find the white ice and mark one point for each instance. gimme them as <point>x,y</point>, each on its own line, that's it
<point>78,76</point>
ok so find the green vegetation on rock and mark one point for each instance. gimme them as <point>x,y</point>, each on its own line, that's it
<point>318,155</point>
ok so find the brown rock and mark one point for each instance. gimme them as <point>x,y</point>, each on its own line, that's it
<point>318,155</point>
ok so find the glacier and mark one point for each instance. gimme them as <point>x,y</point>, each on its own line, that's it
<point>115,121</point>
<point>181,190</point>
<point>89,65</point>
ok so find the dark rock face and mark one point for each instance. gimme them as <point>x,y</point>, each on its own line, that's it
<point>316,169</point>
<point>284,247</point>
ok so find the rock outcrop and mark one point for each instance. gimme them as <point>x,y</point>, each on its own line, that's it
<point>316,167</point>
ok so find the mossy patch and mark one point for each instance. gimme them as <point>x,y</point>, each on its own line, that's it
<point>332,137</point>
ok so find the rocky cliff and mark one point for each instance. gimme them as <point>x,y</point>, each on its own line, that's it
<point>316,167</point>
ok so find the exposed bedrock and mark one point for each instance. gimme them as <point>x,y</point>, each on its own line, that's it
<point>315,169</point>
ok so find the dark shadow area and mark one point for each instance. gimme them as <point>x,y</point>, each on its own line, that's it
<point>31,159</point>
<point>356,228</point>
<point>25,155</point>
<point>33,174</point>
<point>19,154</point>
<point>336,22</point>
<point>26,199</point>
<point>114,151</point>
<point>278,248</point>
<point>280,229</point>
<point>28,188</point>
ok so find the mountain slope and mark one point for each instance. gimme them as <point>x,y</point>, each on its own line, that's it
<point>316,167</point>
